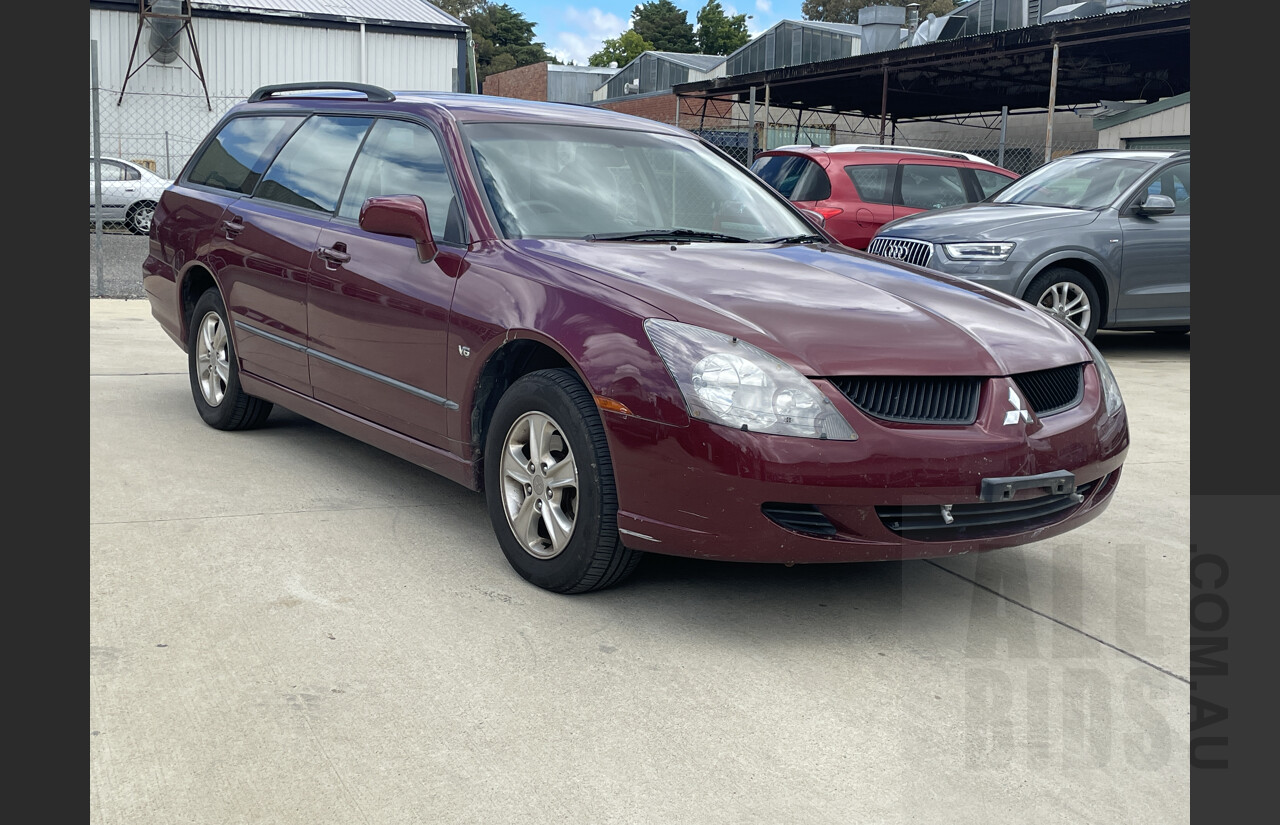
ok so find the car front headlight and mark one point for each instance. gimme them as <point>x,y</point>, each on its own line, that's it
<point>727,381</point>
<point>1110,387</point>
<point>978,251</point>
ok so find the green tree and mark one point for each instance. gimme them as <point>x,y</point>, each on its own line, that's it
<point>718,33</point>
<point>668,28</point>
<point>846,11</point>
<point>622,49</point>
<point>504,39</point>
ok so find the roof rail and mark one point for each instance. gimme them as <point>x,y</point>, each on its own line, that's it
<point>375,94</point>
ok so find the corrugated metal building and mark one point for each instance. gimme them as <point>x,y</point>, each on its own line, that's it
<point>657,72</point>
<point>154,103</point>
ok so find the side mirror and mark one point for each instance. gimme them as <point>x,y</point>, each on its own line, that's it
<point>1156,205</point>
<point>814,218</point>
<point>404,216</point>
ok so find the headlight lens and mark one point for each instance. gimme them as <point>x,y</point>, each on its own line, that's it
<point>1110,387</point>
<point>727,381</point>
<point>978,251</point>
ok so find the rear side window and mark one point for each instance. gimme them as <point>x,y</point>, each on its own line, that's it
<point>990,183</point>
<point>874,182</point>
<point>796,178</point>
<point>236,157</point>
<point>312,167</point>
<point>402,158</point>
<point>931,187</point>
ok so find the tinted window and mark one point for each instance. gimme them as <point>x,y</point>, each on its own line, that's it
<point>795,177</point>
<point>931,187</point>
<point>312,167</point>
<point>244,146</point>
<point>874,183</point>
<point>1174,182</point>
<point>402,158</point>
<point>990,183</point>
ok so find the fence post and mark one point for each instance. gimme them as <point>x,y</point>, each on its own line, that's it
<point>1004,124</point>
<point>97,162</point>
<point>751,127</point>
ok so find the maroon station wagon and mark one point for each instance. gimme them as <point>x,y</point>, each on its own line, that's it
<point>620,335</point>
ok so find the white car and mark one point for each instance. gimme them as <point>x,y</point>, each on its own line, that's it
<point>129,194</point>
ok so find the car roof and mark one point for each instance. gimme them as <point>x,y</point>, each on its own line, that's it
<point>845,151</point>
<point>1145,154</point>
<point>459,106</point>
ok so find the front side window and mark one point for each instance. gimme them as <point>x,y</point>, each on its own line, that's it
<point>402,158</point>
<point>990,183</point>
<point>873,182</point>
<point>243,147</point>
<point>580,181</point>
<point>1085,182</point>
<point>312,167</point>
<point>931,187</point>
<point>1175,182</point>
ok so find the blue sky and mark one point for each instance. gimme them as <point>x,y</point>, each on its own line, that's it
<point>574,29</point>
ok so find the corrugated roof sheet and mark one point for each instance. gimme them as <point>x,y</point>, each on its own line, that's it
<point>389,11</point>
<point>699,62</point>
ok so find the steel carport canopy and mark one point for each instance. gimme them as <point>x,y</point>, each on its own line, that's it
<point>1142,54</point>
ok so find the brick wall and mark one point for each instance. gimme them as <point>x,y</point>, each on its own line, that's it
<point>662,108</point>
<point>526,83</point>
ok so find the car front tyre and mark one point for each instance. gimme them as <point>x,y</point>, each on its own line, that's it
<point>549,486</point>
<point>1067,295</point>
<point>138,219</point>
<point>215,378</point>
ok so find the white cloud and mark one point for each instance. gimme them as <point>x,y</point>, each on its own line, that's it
<point>764,6</point>
<point>580,34</point>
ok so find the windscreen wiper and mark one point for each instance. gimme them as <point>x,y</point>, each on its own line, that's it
<point>667,235</point>
<point>798,239</point>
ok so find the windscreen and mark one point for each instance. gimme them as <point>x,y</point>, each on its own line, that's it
<point>1077,182</point>
<point>559,181</point>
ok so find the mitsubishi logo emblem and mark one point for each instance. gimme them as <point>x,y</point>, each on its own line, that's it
<point>1012,416</point>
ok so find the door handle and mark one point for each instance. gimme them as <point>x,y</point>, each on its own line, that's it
<point>232,226</point>
<point>334,255</point>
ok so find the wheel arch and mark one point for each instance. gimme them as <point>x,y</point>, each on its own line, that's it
<point>515,357</point>
<point>1079,263</point>
<point>194,281</point>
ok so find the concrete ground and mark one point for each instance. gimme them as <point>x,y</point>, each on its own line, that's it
<point>287,626</point>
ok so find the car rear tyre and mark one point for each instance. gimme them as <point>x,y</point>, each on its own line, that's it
<point>138,219</point>
<point>1069,296</point>
<point>550,489</point>
<point>215,378</point>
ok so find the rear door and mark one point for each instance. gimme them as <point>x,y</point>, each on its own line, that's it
<point>266,241</point>
<point>923,186</point>
<point>378,316</point>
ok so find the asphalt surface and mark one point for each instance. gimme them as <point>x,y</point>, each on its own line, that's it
<point>288,626</point>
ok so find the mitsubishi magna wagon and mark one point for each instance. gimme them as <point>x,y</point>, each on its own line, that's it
<point>619,335</point>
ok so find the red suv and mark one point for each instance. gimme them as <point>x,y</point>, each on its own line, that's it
<point>620,335</point>
<point>858,187</point>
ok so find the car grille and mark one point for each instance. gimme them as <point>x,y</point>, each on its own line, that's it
<point>900,249</point>
<point>947,400</point>
<point>927,522</point>
<point>1054,390</point>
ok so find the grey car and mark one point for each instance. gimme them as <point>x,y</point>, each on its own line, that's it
<point>1100,238</point>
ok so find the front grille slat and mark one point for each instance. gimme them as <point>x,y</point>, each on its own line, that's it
<point>1053,390</point>
<point>925,522</point>
<point>917,253</point>
<point>923,400</point>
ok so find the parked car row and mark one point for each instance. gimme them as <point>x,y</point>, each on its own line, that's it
<point>620,335</point>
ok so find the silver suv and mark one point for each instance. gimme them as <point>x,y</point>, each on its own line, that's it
<point>1100,238</point>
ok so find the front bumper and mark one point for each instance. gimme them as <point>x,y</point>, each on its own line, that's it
<point>900,491</point>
